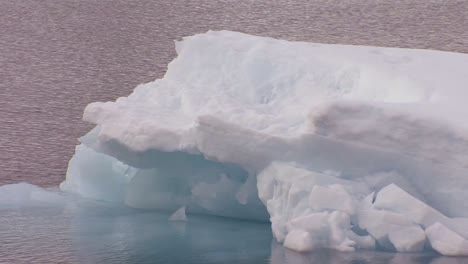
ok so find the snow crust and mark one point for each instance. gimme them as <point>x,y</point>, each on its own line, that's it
<point>341,147</point>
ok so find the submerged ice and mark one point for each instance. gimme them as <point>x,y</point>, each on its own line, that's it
<point>341,147</point>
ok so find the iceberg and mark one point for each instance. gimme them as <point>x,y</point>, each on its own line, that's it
<point>341,147</point>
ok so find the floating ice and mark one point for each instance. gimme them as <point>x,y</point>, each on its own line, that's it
<point>446,241</point>
<point>341,147</point>
<point>25,194</point>
<point>179,215</point>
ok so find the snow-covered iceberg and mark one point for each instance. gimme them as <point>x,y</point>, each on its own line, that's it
<point>341,147</point>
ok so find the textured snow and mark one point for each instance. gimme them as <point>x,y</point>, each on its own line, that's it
<point>342,147</point>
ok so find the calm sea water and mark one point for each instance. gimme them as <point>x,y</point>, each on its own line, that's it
<point>81,231</point>
<point>56,56</point>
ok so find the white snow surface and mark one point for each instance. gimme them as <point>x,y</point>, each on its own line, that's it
<point>341,147</point>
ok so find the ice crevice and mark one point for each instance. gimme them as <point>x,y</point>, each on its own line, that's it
<point>342,147</point>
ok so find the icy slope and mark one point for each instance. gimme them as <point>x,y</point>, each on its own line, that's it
<point>319,135</point>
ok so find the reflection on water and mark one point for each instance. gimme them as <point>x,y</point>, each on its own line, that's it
<point>97,233</point>
<point>283,255</point>
<point>89,232</point>
<point>148,237</point>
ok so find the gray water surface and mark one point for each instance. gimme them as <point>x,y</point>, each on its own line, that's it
<point>92,232</point>
<point>56,56</point>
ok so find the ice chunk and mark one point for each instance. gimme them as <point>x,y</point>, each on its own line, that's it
<point>303,203</point>
<point>299,240</point>
<point>25,194</point>
<point>395,218</point>
<point>333,197</point>
<point>179,215</point>
<point>244,126</point>
<point>314,222</point>
<point>362,241</point>
<point>408,239</point>
<point>381,223</point>
<point>319,230</point>
<point>395,199</point>
<point>446,241</point>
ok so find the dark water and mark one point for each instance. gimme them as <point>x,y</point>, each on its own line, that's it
<point>56,56</point>
<point>89,232</point>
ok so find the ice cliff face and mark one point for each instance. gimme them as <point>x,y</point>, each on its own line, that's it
<point>338,146</point>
